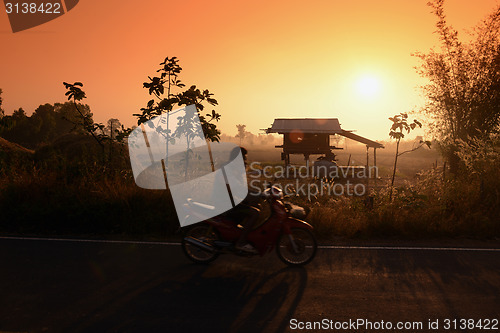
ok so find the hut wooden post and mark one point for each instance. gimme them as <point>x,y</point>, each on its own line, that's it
<point>367,165</point>
<point>367,158</point>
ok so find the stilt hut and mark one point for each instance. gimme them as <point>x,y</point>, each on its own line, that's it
<point>311,136</point>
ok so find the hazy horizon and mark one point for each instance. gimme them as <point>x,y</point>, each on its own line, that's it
<point>350,61</point>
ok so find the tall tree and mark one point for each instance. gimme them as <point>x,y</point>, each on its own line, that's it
<point>75,93</point>
<point>5,122</point>
<point>1,100</point>
<point>69,120</point>
<point>241,132</point>
<point>44,120</point>
<point>400,124</point>
<point>112,127</point>
<point>168,80</point>
<point>463,93</point>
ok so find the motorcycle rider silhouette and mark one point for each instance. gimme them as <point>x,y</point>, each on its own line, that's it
<point>246,212</point>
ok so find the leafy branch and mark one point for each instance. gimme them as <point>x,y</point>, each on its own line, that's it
<point>164,84</point>
<point>76,93</point>
<point>400,125</point>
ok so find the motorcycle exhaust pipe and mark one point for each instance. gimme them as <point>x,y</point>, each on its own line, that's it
<point>200,244</point>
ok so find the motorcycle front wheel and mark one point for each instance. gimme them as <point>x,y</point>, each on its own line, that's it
<point>299,252</point>
<point>205,234</point>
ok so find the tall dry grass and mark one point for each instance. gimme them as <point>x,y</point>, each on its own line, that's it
<point>78,197</point>
<point>428,207</point>
<point>57,193</point>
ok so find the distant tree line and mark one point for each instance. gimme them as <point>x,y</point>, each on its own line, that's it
<point>48,122</point>
<point>251,139</point>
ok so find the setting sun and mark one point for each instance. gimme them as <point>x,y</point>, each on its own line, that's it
<point>368,86</point>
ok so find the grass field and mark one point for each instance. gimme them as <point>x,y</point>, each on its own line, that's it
<point>64,194</point>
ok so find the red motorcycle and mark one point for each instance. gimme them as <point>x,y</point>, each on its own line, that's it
<point>293,238</point>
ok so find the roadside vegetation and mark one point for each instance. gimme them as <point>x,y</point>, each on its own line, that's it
<point>63,174</point>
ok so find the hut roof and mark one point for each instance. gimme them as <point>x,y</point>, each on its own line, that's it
<point>318,126</point>
<point>305,125</point>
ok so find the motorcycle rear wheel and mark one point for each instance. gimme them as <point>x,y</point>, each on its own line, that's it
<point>305,250</point>
<point>202,233</point>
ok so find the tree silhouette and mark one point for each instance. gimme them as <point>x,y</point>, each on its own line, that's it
<point>47,123</point>
<point>463,93</point>
<point>75,93</point>
<point>241,132</point>
<point>2,113</point>
<point>168,80</point>
<point>399,125</point>
<point>5,122</point>
<point>112,127</point>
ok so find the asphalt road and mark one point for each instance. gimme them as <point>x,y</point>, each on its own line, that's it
<point>59,286</point>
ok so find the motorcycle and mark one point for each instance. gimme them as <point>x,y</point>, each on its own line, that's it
<point>293,238</point>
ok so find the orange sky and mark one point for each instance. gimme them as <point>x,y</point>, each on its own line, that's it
<point>262,59</point>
